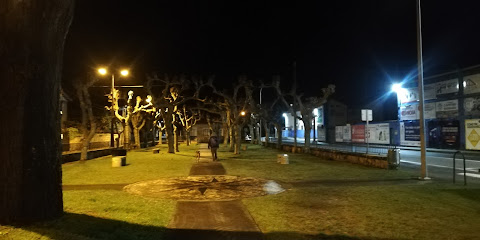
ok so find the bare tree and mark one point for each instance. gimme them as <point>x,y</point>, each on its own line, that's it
<point>235,106</point>
<point>89,125</point>
<point>125,119</point>
<point>305,106</point>
<point>32,37</point>
<point>139,117</point>
<point>188,119</point>
<point>171,92</point>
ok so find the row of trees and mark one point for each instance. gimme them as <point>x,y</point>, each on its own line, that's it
<point>176,103</point>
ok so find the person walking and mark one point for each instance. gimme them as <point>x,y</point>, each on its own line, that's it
<point>213,146</point>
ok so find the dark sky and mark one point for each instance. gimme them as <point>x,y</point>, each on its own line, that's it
<point>360,46</point>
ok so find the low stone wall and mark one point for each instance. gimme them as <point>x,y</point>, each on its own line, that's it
<point>357,158</point>
<point>95,153</point>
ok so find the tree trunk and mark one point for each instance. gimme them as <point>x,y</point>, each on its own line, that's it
<point>32,36</point>
<point>238,138</point>
<point>127,135</point>
<point>225,133</point>
<point>188,137</point>
<point>175,137</point>
<point>279,135</point>
<point>87,119</point>
<point>259,136</point>
<point>169,132</point>
<point>267,133</point>
<point>250,129</point>
<point>294,114</point>
<point>308,127</point>
<point>232,138</point>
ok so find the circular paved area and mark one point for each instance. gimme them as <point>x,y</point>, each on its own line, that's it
<point>218,187</point>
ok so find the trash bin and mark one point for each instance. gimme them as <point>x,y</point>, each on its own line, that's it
<point>393,158</point>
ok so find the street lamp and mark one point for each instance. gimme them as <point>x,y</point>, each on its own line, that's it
<point>123,72</point>
<point>243,113</point>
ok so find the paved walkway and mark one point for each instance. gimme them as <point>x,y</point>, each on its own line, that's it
<point>212,219</point>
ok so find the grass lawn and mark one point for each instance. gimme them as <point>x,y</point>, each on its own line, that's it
<point>327,199</point>
<point>112,214</point>
<point>323,200</point>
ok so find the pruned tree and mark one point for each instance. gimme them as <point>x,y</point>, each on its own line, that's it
<point>32,37</point>
<point>124,119</point>
<point>169,92</point>
<point>305,106</point>
<point>234,104</point>
<point>188,119</point>
<point>88,126</point>
<point>139,117</point>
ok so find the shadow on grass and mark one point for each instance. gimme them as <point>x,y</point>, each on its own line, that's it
<point>83,227</point>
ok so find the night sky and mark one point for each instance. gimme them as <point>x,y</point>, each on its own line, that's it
<point>360,46</point>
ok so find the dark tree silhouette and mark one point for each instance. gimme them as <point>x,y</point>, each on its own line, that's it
<point>32,37</point>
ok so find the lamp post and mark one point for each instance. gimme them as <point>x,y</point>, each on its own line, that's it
<point>123,72</point>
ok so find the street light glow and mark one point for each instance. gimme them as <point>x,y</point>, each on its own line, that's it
<point>124,72</point>
<point>242,113</point>
<point>102,71</point>
<point>397,87</point>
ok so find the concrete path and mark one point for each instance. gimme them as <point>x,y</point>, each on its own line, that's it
<point>212,219</point>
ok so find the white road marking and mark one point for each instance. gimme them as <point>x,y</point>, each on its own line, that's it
<point>470,175</point>
<point>440,166</point>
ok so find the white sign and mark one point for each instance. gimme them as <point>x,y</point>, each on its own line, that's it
<point>367,115</point>
<point>430,111</point>
<point>471,84</point>
<point>408,95</point>
<point>409,112</point>
<point>379,133</point>
<point>472,134</point>
<point>449,86</point>
<point>429,91</point>
<point>446,109</point>
<point>339,133</point>
<point>472,106</point>
<point>347,133</point>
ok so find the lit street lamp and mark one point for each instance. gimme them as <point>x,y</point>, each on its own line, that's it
<point>123,72</point>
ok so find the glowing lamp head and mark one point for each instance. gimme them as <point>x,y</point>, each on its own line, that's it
<point>102,71</point>
<point>397,87</point>
<point>124,72</point>
<point>242,113</point>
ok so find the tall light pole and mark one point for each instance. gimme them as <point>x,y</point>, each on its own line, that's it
<point>423,151</point>
<point>260,128</point>
<point>123,72</point>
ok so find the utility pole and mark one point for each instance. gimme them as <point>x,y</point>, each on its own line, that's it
<point>423,152</point>
<point>293,106</point>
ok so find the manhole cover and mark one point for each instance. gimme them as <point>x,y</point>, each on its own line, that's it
<point>205,188</point>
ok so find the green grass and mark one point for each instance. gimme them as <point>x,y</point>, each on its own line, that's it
<point>142,165</point>
<point>112,214</point>
<point>336,200</point>
<point>323,200</point>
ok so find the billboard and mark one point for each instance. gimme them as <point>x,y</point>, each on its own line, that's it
<point>429,91</point>
<point>408,95</point>
<point>339,133</point>
<point>450,134</point>
<point>471,84</point>
<point>410,133</point>
<point>409,112</point>
<point>430,111</point>
<point>379,133</point>
<point>447,109</point>
<point>472,106</point>
<point>358,133</point>
<point>472,134</point>
<point>446,87</point>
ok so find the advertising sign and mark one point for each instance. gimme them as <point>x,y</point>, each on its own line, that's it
<point>446,87</point>
<point>429,91</point>
<point>339,133</point>
<point>471,84</point>
<point>367,115</point>
<point>379,133</point>
<point>347,133</point>
<point>430,111</point>
<point>450,134</point>
<point>447,109</point>
<point>472,134</point>
<point>410,133</point>
<point>408,95</point>
<point>472,106</point>
<point>409,112</point>
<point>358,133</point>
